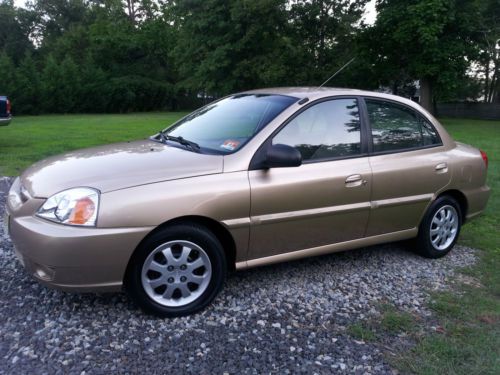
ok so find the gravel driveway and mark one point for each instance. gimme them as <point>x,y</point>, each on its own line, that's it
<point>286,318</point>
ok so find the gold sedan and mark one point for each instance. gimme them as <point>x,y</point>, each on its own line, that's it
<point>255,178</point>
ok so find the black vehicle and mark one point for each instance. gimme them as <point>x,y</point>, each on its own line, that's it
<point>5,115</point>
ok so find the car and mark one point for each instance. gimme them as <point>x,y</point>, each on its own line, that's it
<point>254,178</point>
<point>5,111</point>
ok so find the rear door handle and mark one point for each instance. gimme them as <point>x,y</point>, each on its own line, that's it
<point>354,180</point>
<point>441,168</point>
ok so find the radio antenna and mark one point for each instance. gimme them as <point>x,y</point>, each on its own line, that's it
<point>337,72</point>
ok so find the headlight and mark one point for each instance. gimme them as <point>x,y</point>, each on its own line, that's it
<point>76,206</point>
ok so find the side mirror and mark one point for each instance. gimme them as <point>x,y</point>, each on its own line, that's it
<point>280,156</point>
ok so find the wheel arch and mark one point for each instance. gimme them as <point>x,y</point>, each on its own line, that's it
<point>460,198</point>
<point>218,229</point>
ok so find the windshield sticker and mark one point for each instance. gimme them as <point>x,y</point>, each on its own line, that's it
<point>230,145</point>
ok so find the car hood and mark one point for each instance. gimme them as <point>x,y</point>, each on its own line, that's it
<point>117,166</point>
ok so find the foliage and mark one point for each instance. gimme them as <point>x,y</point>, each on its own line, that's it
<point>326,32</point>
<point>27,85</point>
<point>14,31</point>
<point>433,41</point>
<point>232,45</point>
<point>114,56</point>
<point>489,58</point>
<point>66,56</point>
<point>85,56</point>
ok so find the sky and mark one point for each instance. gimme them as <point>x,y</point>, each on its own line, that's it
<point>370,13</point>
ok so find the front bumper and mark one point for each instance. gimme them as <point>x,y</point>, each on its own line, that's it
<point>74,258</point>
<point>5,120</point>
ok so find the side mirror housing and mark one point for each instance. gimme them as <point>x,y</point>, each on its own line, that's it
<point>282,156</point>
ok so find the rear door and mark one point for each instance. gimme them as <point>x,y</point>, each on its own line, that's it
<point>408,166</point>
<point>324,201</point>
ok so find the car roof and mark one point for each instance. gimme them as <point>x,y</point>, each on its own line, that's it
<point>313,93</point>
<point>302,92</point>
<point>318,92</point>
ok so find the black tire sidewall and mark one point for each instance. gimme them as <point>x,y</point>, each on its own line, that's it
<point>192,233</point>
<point>424,243</point>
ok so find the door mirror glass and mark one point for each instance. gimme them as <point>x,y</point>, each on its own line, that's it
<point>279,156</point>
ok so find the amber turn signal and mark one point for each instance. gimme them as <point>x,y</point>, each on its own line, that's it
<point>82,212</point>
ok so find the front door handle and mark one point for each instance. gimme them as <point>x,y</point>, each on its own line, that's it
<point>354,180</point>
<point>441,168</point>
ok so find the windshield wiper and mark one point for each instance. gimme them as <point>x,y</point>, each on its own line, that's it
<point>192,145</point>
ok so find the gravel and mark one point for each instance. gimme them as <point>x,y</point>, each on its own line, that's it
<point>286,318</point>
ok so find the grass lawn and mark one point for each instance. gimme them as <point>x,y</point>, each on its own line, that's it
<point>469,342</point>
<point>31,138</point>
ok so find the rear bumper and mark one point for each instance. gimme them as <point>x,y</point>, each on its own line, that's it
<point>72,258</point>
<point>5,120</point>
<point>476,201</point>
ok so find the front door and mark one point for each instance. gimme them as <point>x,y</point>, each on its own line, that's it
<point>324,201</point>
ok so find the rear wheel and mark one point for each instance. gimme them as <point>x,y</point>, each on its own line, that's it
<point>177,271</point>
<point>439,230</point>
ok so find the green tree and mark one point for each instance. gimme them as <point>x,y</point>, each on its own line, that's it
<point>433,41</point>
<point>94,86</point>
<point>51,76</point>
<point>56,17</point>
<point>61,90</point>
<point>323,33</point>
<point>69,86</point>
<point>26,87</point>
<point>489,58</point>
<point>14,35</point>
<point>8,69</point>
<point>226,46</point>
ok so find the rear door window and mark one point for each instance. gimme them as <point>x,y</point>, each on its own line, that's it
<point>397,127</point>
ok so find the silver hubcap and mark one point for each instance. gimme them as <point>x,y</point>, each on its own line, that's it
<point>444,227</point>
<point>176,273</point>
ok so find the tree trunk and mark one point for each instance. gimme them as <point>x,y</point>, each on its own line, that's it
<point>131,10</point>
<point>395,88</point>
<point>493,87</point>
<point>486,80</point>
<point>426,96</point>
<point>496,94</point>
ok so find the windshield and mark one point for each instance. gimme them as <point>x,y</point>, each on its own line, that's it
<point>225,126</point>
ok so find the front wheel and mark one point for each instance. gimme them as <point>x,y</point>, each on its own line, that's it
<point>439,230</point>
<point>177,271</point>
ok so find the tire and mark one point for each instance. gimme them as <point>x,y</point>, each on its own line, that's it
<point>438,232</point>
<point>177,271</point>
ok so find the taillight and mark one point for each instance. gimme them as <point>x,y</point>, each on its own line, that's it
<point>8,106</point>
<point>485,157</point>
